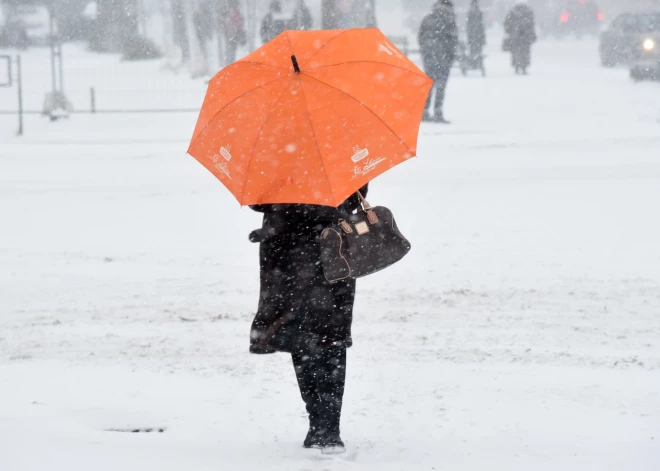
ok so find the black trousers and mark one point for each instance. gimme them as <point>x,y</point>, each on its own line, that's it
<point>321,374</point>
<point>440,78</point>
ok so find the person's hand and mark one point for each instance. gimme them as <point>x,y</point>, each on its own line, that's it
<point>261,235</point>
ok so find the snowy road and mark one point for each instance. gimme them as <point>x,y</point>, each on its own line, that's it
<point>521,333</point>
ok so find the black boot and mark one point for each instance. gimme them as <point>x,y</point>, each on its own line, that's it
<point>313,439</point>
<point>333,446</point>
<point>321,375</point>
<point>304,366</point>
<point>331,390</point>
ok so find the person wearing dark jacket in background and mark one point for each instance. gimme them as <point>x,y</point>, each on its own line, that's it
<point>303,314</point>
<point>273,23</point>
<point>302,17</point>
<point>438,39</point>
<point>234,29</point>
<point>520,35</point>
<point>476,31</point>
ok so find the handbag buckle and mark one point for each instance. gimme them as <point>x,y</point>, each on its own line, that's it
<point>346,227</point>
<point>362,228</point>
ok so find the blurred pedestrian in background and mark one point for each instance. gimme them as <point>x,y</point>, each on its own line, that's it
<point>438,40</point>
<point>476,30</point>
<point>204,29</point>
<point>520,35</point>
<point>302,17</point>
<point>274,22</point>
<point>233,25</point>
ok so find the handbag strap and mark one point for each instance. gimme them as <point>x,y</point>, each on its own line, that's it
<point>366,207</point>
<point>363,202</point>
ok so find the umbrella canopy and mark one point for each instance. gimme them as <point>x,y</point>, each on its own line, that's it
<point>311,117</point>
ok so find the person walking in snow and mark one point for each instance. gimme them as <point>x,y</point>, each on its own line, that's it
<point>438,40</point>
<point>303,314</point>
<point>302,17</point>
<point>520,35</point>
<point>202,22</point>
<point>273,23</point>
<point>476,31</point>
<point>234,29</point>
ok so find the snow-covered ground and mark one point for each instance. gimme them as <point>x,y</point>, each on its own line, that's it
<point>521,333</point>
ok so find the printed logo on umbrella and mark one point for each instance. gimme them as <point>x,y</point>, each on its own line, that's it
<point>224,151</point>
<point>359,154</point>
<point>367,167</point>
<point>220,165</point>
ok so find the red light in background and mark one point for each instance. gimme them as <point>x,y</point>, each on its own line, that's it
<point>601,16</point>
<point>564,17</point>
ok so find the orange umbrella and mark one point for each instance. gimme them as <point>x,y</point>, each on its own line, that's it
<point>311,117</point>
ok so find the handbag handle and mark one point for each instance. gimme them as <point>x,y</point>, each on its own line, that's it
<point>366,207</point>
<point>363,202</point>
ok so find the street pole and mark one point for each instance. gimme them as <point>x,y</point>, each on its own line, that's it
<point>19,78</point>
<point>252,24</point>
<point>53,72</point>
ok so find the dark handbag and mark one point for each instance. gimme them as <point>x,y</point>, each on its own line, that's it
<point>362,244</point>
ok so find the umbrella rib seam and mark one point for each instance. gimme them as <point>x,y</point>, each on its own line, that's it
<point>261,63</point>
<point>261,130</point>
<point>194,139</point>
<point>372,62</point>
<point>311,124</point>
<point>321,48</point>
<point>318,149</point>
<point>366,108</point>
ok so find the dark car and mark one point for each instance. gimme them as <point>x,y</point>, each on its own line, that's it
<point>580,17</point>
<point>572,17</point>
<point>630,38</point>
<point>646,65</point>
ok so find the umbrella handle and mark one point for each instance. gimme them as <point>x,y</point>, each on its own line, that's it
<point>296,67</point>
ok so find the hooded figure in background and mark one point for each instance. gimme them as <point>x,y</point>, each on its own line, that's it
<point>476,31</point>
<point>302,17</point>
<point>302,313</point>
<point>273,23</point>
<point>520,35</point>
<point>438,40</point>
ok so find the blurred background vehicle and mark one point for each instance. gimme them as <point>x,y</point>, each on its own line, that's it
<point>630,38</point>
<point>568,17</point>
<point>647,64</point>
<point>580,18</point>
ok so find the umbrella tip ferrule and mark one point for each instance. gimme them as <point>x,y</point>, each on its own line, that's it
<point>296,67</point>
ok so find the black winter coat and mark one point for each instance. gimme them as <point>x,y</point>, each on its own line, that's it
<point>476,31</point>
<point>272,24</point>
<point>297,305</point>
<point>302,18</point>
<point>438,39</point>
<point>519,27</point>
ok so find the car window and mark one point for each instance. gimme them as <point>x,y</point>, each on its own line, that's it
<point>620,22</point>
<point>647,23</point>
